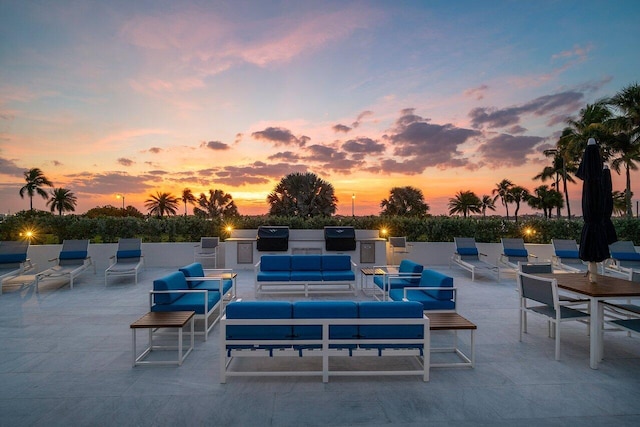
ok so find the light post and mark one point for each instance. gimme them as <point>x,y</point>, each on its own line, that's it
<point>121,196</point>
<point>353,205</point>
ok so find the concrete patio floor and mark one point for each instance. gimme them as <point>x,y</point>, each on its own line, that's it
<point>65,359</point>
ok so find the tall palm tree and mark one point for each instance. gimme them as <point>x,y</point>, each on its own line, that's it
<point>545,199</point>
<point>465,202</point>
<point>404,201</point>
<point>626,128</point>
<point>518,194</point>
<point>218,205</point>
<point>35,180</point>
<point>62,200</point>
<point>162,203</point>
<point>487,202</point>
<point>188,197</point>
<point>591,123</point>
<point>502,192</point>
<point>303,195</point>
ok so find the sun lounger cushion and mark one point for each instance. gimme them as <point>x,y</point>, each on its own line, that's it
<point>626,256</point>
<point>516,252</point>
<point>129,254</point>
<point>467,251</point>
<point>12,258</point>
<point>567,254</point>
<point>73,255</point>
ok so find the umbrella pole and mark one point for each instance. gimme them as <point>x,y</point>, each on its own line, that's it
<point>593,271</point>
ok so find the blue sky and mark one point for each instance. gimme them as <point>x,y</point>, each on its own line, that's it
<point>145,96</point>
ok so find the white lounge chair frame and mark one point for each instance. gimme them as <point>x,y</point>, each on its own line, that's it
<point>399,246</point>
<point>574,265</point>
<point>9,270</point>
<point>69,268</point>
<point>471,263</point>
<point>125,266</point>
<point>628,269</point>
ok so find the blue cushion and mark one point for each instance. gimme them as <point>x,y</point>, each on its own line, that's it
<point>408,266</point>
<point>395,282</point>
<point>516,252</point>
<point>626,256</point>
<point>12,258</point>
<point>427,301</point>
<point>567,254</point>
<point>325,310</point>
<point>339,276</point>
<point>275,263</point>
<point>467,251</point>
<point>73,255</point>
<point>385,310</point>
<point>192,301</point>
<point>195,270</point>
<point>173,281</point>
<point>212,285</point>
<point>273,276</point>
<point>129,254</point>
<point>313,276</point>
<point>259,310</point>
<point>431,278</point>
<point>306,263</point>
<point>336,262</point>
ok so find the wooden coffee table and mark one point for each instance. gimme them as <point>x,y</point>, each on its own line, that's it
<point>157,320</point>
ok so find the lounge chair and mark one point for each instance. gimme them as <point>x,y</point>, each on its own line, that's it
<point>625,260</point>
<point>13,260</point>
<point>566,256</point>
<point>127,261</point>
<point>207,250</point>
<point>514,252</point>
<point>73,260</point>
<point>467,257</point>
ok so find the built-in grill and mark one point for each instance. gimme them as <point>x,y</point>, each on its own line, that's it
<point>340,239</point>
<point>272,239</point>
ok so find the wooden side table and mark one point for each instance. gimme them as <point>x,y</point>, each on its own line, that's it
<point>453,322</point>
<point>155,320</point>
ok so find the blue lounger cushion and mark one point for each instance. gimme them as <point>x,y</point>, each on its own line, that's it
<point>428,302</point>
<point>516,252</point>
<point>626,256</point>
<point>390,309</point>
<point>325,310</point>
<point>12,258</point>
<point>567,254</point>
<point>129,254</point>
<point>259,310</point>
<point>173,281</point>
<point>467,251</point>
<point>73,255</point>
<point>191,301</point>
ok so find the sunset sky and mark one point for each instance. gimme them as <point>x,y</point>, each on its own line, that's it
<point>135,97</point>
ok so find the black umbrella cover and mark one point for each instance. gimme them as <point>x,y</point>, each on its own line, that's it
<point>608,206</point>
<point>593,241</point>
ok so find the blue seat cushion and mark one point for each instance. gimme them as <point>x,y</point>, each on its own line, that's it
<point>12,258</point>
<point>626,256</point>
<point>386,310</point>
<point>411,267</point>
<point>275,263</point>
<point>313,276</point>
<point>467,251</point>
<point>306,263</point>
<point>395,282</point>
<point>273,276</point>
<point>338,276</point>
<point>191,301</point>
<point>259,310</point>
<point>434,279</point>
<point>427,301</point>
<point>567,254</point>
<point>73,255</point>
<point>129,254</point>
<point>171,282</point>
<point>516,252</point>
<point>213,285</point>
<point>336,262</point>
<point>325,310</point>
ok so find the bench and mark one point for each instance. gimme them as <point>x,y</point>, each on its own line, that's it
<point>323,330</point>
<point>305,273</point>
<point>435,291</point>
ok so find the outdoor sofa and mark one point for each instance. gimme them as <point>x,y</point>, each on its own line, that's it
<point>434,290</point>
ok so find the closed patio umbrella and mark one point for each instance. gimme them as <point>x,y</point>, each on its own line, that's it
<point>594,247</point>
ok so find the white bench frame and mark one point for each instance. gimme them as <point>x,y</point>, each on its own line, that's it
<point>227,356</point>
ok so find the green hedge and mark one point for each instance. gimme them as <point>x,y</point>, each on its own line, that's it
<point>53,229</point>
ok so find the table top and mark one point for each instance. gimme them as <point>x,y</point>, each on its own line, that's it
<point>448,321</point>
<point>370,271</point>
<point>169,319</point>
<point>605,286</point>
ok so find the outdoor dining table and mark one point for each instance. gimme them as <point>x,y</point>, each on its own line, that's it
<point>605,288</point>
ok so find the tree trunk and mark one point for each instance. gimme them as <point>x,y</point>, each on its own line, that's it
<point>627,196</point>
<point>566,194</point>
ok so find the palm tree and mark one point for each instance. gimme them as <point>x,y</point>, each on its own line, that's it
<point>502,192</point>
<point>545,199</point>
<point>188,197</point>
<point>35,179</point>
<point>304,195</point>
<point>518,194</point>
<point>487,202</point>
<point>162,203</point>
<point>404,201</point>
<point>619,203</point>
<point>218,205</point>
<point>62,200</point>
<point>464,202</point>
<point>626,128</point>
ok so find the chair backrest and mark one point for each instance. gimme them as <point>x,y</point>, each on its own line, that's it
<point>535,267</point>
<point>538,289</point>
<point>73,252</point>
<point>208,244</point>
<point>398,242</point>
<point>514,249</point>
<point>466,247</point>
<point>624,250</point>
<point>565,248</point>
<point>13,252</point>
<point>129,248</point>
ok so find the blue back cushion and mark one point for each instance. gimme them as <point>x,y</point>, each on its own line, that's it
<point>467,251</point>
<point>129,254</point>
<point>193,270</point>
<point>390,309</point>
<point>336,262</point>
<point>259,310</point>
<point>516,252</point>
<point>73,255</point>
<point>275,263</point>
<point>306,263</point>
<point>11,258</point>
<point>567,254</point>
<point>325,310</point>
<point>408,266</point>
<point>173,281</point>
<point>626,256</point>
<point>431,278</point>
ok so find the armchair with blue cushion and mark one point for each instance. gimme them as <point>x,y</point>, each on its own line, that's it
<point>389,277</point>
<point>221,280</point>
<point>435,291</point>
